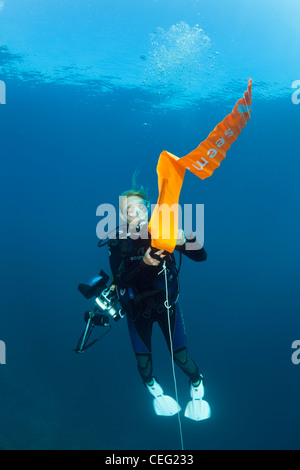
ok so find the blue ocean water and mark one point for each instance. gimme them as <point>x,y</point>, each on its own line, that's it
<point>94,90</point>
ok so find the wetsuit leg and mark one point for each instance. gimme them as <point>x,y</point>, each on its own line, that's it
<point>181,356</point>
<point>140,332</point>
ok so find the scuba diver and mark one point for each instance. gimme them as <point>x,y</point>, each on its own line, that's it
<point>139,281</point>
<point>145,281</point>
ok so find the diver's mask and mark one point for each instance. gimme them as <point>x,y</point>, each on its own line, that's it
<point>139,209</point>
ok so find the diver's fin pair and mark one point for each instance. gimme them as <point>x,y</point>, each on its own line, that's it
<point>197,409</point>
<point>163,404</point>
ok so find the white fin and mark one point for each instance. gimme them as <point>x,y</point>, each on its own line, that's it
<point>163,404</point>
<point>197,409</point>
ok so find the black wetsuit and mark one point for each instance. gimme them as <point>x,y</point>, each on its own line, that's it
<point>141,290</point>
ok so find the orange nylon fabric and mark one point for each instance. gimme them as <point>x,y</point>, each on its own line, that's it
<point>163,225</point>
<point>202,162</point>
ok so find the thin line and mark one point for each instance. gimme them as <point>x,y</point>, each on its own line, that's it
<point>172,354</point>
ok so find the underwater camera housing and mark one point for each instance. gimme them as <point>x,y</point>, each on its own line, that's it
<point>106,297</point>
<point>106,306</point>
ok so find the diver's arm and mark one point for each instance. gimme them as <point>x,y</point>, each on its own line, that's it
<point>127,277</point>
<point>195,250</point>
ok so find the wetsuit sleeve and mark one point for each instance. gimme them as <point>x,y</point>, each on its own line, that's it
<point>197,253</point>
<point>123,275</point>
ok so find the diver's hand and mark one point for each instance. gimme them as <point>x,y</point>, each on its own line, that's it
<point>181,240</point>
<point>151,261</point>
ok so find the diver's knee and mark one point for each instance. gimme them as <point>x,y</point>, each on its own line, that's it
<point>181,356</point>
<point>145,366</point>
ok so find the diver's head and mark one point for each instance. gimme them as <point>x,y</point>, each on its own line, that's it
<point>134,207</point>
